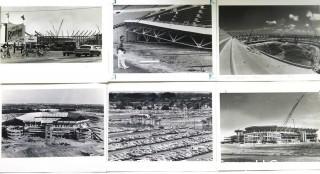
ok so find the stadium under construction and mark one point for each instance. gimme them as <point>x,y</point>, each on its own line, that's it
<point>164,38</point>
<point>273,134</point>
<point>48,125</point>
<point>188,25</point>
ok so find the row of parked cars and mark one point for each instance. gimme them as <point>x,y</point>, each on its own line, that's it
<point>181,154</point>
<point>147,140</point>
<point>84,50</point>
<point>173,150</point>
<point>144,135</point>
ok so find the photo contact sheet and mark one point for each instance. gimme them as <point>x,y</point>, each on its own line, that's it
<point>159,86</point>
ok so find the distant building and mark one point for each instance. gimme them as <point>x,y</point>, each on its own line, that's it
<point>49,110</point>
<point>145,119</point>
<point>275,134</point>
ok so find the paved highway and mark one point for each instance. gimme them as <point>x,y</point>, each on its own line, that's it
<point>237,58</point>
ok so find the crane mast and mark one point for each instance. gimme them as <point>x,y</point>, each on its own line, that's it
<point>292,110</point>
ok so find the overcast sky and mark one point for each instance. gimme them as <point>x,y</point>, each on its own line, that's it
<point>63,96</point>
<point>239,111</point>
<point>42,18</point>
<point>252,17</point>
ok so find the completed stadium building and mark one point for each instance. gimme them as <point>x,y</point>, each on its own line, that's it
<point>273,134</point>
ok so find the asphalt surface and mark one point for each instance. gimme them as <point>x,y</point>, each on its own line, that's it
<point>51,57</point>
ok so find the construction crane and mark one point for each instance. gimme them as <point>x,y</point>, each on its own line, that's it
<point>292,110</point>
<point>54,29</point>
<point>98,29</point>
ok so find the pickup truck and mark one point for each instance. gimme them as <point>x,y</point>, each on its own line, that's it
<point>88,50</point>
<point>68,48</point>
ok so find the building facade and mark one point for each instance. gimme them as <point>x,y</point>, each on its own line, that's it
<point>275,134</point>
<point>48,125</point>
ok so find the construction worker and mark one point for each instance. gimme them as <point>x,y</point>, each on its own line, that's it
<point>121,54</point>
<point>7,50</point>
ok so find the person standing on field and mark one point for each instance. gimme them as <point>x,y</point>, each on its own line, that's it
<point>121,54</point>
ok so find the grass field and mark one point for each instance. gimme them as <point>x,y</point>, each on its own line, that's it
<point>297,53</point>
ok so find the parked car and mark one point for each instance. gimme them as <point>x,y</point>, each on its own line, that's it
<point>88,50</point>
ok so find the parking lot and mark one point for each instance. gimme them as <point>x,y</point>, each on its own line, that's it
<point>178,139</point>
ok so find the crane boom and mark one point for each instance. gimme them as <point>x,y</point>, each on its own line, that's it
<point>58,32</point>
<point>292,110</point>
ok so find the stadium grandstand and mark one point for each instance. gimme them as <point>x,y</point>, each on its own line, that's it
<point>188,25</point>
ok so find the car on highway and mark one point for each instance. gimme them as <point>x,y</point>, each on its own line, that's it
<point>88,50</point>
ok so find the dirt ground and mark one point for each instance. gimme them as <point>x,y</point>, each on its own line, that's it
<point>309,152</point>
<point>36,147</point>
<point>160,58</point>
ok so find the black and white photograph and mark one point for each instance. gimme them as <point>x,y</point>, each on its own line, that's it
<point>270,127</point>
<point>49,34</point>
<point>162,39</point>
<point>160,126</point>
<point>269,39</point>
<point>52,122</point>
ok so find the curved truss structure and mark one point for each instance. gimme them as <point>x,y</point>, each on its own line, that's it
<point>183,25</point>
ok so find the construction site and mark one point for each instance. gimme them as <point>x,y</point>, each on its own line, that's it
<point>160,127</point>
<point>163,38</point>
<point>62,35</point>
<point>285,142</point>
<point>52,132</point>
<point>284,43</point>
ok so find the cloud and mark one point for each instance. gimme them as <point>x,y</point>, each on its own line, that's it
<point>293,17</point>
<point>291,26</point>
<point>271,22</point>
<point>313,16</point>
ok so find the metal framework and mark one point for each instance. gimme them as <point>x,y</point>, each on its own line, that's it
<point>256,37</point>
<point>146,33</point>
